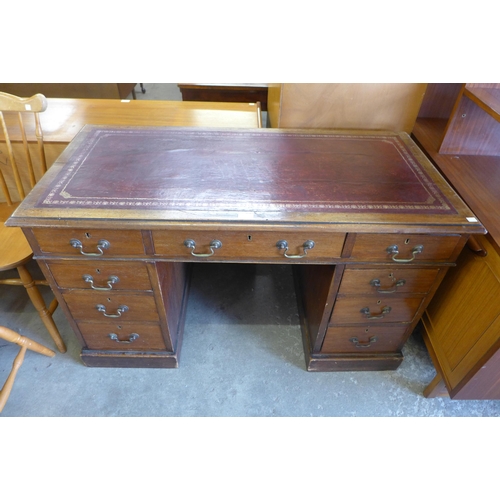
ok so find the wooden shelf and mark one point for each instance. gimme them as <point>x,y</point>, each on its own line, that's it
<point>487,98</point>
<point>462,322</point>
<point>475,177</point>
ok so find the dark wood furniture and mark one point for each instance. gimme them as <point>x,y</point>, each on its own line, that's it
<point>459,129</point>
<point>367,221</point>
<point>225,92</point>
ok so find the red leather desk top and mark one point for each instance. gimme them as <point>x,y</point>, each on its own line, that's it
<point>207,169</point>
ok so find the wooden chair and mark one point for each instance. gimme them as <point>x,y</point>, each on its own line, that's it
<point>25,343</point>
<point>15,251</point>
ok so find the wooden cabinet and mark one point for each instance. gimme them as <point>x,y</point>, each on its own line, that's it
<point>141,204</point>
<point>378,295</point>
<point>117,302</point>
<point>459,129</point>
<point>462,326</point>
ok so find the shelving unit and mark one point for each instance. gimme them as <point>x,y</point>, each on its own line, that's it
<point>458,127</point>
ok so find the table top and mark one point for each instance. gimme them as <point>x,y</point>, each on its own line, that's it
<point>264,176</point>
<point>64,118</point>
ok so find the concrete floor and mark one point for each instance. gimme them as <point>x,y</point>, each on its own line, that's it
<point>241,356</point>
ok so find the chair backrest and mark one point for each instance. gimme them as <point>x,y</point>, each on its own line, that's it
<point>21,172</point>
<point>25,343</point>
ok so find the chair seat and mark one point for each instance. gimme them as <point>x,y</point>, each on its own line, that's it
<point>14,248</point>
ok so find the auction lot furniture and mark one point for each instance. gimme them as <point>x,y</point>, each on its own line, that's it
<point>367,222</point>
<point>64,118</point>
<point>459,129</point>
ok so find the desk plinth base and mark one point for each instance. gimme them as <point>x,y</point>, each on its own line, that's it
<point>346,363</point>
<point>339,362</point>
<point>110,359</point>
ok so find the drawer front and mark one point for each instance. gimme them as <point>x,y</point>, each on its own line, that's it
<point>122,336</point>
<point>108,307</point>
<point>248,245</point>
<point>106,275</point>
<point>404,248</point>
<point>373,310</point>
<point>387,281</point>
<point>92,242</point>
<point>364,339</point>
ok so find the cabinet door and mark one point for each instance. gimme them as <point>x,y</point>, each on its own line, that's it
<point>460,319</point>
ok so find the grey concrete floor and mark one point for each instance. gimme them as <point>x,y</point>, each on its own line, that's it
<point>241,356</point>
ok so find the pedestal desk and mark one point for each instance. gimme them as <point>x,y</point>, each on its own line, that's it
<point>368,224</point>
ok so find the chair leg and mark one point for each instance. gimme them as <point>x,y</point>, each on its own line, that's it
<point>39,303</point>
<point>7,387</point>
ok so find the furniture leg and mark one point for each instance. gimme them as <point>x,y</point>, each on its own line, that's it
<point>436,389</point>
<point>39,303</point>
<point>18,361</point>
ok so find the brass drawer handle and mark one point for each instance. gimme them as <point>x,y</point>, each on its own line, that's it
<point>366,312</point>
<point>132,338</point>
<point>376,283</point>
<point>394,250</point>
<point>111,281</point>
<point>363,345</point>
<point>119,311</point>
<point>214,245</point>
<point>101,245</point>
<point>283,245</point>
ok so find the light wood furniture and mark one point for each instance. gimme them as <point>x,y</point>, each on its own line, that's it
<point>25,343</point>
<point>225,92</point>
<point>15,251</point>
<point>368,224</point>
<point>64,118</point>
<point>459,129</point>
<point>369,106</point>
<point>72,90</point>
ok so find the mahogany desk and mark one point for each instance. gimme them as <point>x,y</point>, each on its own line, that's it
<point>366,220</point>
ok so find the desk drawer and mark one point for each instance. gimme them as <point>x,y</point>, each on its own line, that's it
<point>387,281</point>
<point>249,245</point>
<point>101,274</point>
<point>122,336</point>
<point>92,242</point>
<point>404,248</point>
<point>373,310</point>
<point>364,339</point>
<point>94,306</point>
